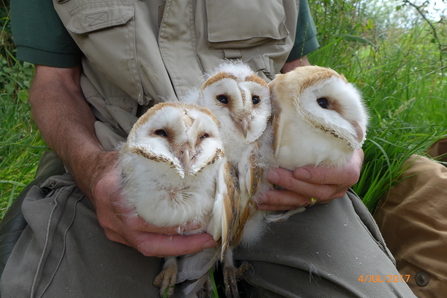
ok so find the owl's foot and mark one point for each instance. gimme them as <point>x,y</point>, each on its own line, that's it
<point>165,280</point>
<point>206,290</point>
<point>231,276</point>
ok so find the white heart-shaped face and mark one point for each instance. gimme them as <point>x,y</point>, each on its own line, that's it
<point>240,100</point>
<point>320,119</point>
<point>184,135</point>
<point>325,100</point>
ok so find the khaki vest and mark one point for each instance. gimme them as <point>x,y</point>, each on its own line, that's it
<point>141,52</point>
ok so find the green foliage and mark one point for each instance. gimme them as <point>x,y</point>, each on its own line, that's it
<point>20,142</point>
<point>401,74</point>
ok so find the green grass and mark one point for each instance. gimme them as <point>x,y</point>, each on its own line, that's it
<point>400,72</point>
<point>20,142</point>
<point>407,103</point>
<point>402,76</point>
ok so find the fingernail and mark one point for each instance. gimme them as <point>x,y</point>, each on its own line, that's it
<point>302,174</point>
<point>272,176</point>
<point>209,244</point>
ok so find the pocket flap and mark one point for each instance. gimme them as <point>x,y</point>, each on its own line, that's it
<point>253,22</point>
<point>96,16</point>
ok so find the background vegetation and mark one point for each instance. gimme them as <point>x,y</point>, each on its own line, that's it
<point>20,143</point>
<point>394,51</point>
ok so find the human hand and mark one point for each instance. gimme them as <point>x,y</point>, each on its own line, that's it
<point>121,224</point>
<point>291,65</point>
<point>321,183</point>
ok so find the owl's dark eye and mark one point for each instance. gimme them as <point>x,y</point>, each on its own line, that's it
<point>323,102</point>
<point>205,135</point>
<point>161,132</point>
<point>222,98</point>
<point>255,99</point>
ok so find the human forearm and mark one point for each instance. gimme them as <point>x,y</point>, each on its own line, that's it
<point>67,125</point>
<point>66,121</point>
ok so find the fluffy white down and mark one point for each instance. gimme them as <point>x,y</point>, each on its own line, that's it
<point>238,148</point>
<point>236,68</point>
<point>164,199</point>
<point>303,144</point>
<point>160,191</point>
<point>311,135</point>
<point>255,226</point>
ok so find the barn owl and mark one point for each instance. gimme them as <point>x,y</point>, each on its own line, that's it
<point>241,101</point>
<point>175,173</point>
<point>319,119</point>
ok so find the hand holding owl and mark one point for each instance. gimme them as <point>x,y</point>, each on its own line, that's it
<point>120,224</point>
<point>319,119</point>
<point>321,182</point>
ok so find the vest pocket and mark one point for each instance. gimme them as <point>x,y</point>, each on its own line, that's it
<point>92,17</point>
<point>105,32</point>
<point>244,24</point>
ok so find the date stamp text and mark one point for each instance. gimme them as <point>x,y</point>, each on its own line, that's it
<point>384,278</point>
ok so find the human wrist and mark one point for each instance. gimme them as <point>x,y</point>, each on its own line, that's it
<point>89,169</point>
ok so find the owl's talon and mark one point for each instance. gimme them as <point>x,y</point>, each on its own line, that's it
<point>231,277</point>
<point>206,290</point>
<point>165,280</point>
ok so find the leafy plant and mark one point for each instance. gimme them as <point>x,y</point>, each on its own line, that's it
<point>403,83</point>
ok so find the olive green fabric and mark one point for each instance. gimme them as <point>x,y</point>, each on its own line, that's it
<point>322,252</point>
<point>306,34</point>
<point>165,48</point>
<point>40,36</point>
<point>13,223</point>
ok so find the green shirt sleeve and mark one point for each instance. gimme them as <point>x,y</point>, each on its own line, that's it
<point>40,36</point>
<point>306,33</point>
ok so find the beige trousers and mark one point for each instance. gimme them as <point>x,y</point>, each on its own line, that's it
<point>413,220</point>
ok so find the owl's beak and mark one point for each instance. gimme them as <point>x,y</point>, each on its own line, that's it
<point>186,156</point>
<point>243,126</point>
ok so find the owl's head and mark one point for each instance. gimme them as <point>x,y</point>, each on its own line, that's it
<point>325,100</point>
<point>240,100</point>
<point>185,136</point>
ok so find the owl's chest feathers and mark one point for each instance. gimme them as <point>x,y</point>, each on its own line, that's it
<point>236,148</point>
<point>311,145</point>
<point>164,198</point>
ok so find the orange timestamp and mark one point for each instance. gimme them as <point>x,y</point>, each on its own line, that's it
<point>384,278</point>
